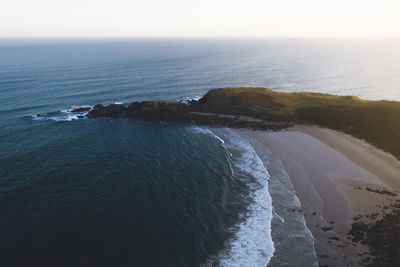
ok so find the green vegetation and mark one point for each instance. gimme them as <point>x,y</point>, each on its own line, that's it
<point>377,122</point>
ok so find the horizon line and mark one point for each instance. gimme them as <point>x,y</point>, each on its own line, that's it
<point>200,37</point>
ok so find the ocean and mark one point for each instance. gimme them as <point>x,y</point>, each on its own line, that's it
<point>76,191</point>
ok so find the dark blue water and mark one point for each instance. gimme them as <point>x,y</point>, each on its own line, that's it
<point>112,192</point>
<point>118,192</point>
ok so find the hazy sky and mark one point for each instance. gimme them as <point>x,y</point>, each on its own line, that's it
<point>175,18</point>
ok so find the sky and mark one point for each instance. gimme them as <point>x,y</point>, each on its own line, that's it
<point>200,18</point>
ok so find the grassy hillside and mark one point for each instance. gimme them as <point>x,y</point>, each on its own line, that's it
<point>377,122</point>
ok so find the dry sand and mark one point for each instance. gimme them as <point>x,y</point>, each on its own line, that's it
<point>330,172</point>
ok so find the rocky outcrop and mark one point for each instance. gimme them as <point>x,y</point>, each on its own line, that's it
<point>180,112</point>
<point>81,109</point>
<point>111,110</point>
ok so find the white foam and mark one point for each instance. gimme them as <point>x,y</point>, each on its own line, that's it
<point>252,245</point>
<point>62,115</point>
<point>188,99</point>
<point>288,224</point>
<point>278,216</point>
<point>66,117</point>
<point>203,130</point>
<point>76,107</point>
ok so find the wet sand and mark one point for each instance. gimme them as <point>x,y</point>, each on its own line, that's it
<point>330,173</point>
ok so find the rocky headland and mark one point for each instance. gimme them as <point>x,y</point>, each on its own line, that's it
<point>377,223</point>
<point>377,122</point>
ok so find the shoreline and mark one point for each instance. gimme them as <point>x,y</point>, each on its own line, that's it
<point>337,179</point>
<point>348,189</point>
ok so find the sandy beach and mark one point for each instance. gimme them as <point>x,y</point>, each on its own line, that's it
<point>337,178</point>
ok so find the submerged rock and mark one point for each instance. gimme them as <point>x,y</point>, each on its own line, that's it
<point>112,110</point>
<point>81,109</point>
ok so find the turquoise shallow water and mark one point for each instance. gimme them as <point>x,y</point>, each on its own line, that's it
<point>131,193</point>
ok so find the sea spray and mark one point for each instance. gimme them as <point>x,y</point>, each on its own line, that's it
<point>62,115</point>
